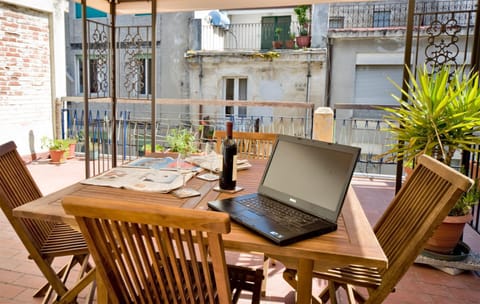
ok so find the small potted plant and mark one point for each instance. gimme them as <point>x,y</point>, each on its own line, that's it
<point>290,44</point>
<point>438,115</point>
<point>71,143</point>
<point>57,149</point>
<point>181,141</point>
<point>277,43</point>
<point>303,38</point>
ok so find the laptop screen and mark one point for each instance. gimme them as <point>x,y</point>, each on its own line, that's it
<point>310,175</point>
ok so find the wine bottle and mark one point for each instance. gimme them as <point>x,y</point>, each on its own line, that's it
<point>228,177</point>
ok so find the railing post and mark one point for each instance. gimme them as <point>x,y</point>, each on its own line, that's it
<point>323,124</point>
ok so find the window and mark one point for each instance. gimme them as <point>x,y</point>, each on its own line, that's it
<point>269,24</point>
<point>381,18</point>
<point>235,89</point>
<point>336,22</point>
<point>145,81</point>
<point>98,80</point>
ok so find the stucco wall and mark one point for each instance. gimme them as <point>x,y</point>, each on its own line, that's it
<point>281,79</point>
<point>344,55</point>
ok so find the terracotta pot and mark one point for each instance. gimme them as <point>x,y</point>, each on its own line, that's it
<point>289,44</point>
<point>277,44</point>
<point>71,151</point>
<point>56,156</point>
<point>303,41</point>
<point>448,234</point>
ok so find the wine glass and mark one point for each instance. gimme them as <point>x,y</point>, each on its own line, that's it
<point>211,159</point>
<point>184,169</point>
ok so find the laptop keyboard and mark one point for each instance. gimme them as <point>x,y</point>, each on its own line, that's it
<point>278,212</point>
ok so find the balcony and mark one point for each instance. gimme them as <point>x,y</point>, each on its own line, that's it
<point>19,277</point>
<point>343,18</point>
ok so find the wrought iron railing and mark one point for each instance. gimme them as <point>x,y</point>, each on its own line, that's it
<point>365,15</point>
<point>134,126</point>
<point>342,17</point>
<point>363,126</point>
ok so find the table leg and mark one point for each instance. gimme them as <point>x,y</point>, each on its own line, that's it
<point>304,277</point>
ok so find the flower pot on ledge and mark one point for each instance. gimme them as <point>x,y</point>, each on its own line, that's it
<point>57,156</point>
<point>277,44</point>
<point>303,41</point>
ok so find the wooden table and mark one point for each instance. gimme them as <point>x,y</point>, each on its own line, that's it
<point>353,243</point>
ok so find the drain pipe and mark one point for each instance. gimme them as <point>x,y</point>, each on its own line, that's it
<point>307,95</point>
<point>200,78</point>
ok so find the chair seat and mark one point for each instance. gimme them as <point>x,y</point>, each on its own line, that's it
<point>63,241</point>
<point>368,277</point>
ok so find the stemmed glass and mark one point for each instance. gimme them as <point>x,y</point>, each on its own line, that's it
<point>211,159</point>
<point>183,169</point>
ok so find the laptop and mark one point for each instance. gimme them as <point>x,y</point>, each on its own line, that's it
<point>308,178</point>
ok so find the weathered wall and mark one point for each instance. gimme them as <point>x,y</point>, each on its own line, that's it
<point>25,77</point>
<point>281,79</point>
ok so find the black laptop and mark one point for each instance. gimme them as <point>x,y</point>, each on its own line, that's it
<point>301,193</point>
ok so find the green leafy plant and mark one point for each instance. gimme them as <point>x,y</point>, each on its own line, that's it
<point>468,200</point>
<point>303,20</point>
<point>181,141</point>
<point>54,144</point>
<point>278,32</point>
<point>438,114</point>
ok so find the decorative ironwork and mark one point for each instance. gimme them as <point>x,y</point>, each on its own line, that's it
<point>99,63</point>
<point>443,31</point>
<point>442,47</point>
<point>135,58</point>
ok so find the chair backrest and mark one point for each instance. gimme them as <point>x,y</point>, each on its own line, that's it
<point>151,253</point>
<point>18,187</point>
<point>411,218</point>
<point>249,144</point>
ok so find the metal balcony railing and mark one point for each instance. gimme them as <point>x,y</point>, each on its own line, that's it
<point>365,16</point>
<point>371,15</point>
<point>134,126</point>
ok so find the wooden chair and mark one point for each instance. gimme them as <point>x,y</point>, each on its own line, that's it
<point>410,219</point>
<point>251,145</point>
<point>43,240</point>
<point>161,254</point>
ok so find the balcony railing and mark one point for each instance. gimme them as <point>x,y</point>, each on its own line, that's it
<point>392,15</point>
<point>342,17</point>
<point>134,126</point>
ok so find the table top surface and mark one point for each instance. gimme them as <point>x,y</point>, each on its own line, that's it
<point>352,243</point>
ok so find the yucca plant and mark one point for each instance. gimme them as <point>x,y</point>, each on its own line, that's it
<point>439,115</point>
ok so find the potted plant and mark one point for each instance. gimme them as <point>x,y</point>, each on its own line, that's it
<point>438,116</point>
<point>277,43</point>
<point>303,38</point>
<point>71,143</point>
<point>57,149</point>
<point>181,141</point>
<point>290,44</point>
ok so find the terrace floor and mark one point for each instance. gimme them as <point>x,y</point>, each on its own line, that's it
<point>19,277</point>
